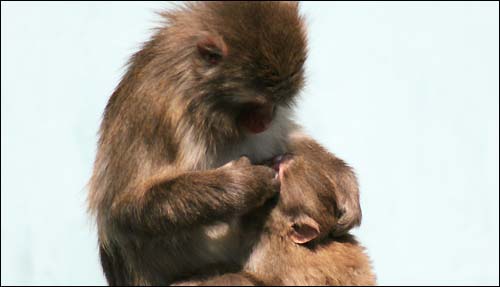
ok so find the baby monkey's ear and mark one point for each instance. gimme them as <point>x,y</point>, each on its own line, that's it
<point>304,229</point>
<point>212,49</point>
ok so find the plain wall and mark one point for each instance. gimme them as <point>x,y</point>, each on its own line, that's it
<point>406,93</point>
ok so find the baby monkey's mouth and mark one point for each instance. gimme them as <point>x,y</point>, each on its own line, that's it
<point>256,117</point>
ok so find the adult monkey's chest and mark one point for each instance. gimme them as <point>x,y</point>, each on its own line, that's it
<point>261,146</point>
<point>224,238</point>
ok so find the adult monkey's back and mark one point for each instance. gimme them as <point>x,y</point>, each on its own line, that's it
<point>169,187</point>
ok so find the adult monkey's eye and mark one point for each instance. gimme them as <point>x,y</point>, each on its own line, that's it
<point>212,49</point>
<point>211,57</point>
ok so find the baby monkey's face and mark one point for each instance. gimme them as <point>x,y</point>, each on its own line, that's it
<point>299,227</point>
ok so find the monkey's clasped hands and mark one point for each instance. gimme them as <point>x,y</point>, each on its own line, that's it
<point>253,184</point>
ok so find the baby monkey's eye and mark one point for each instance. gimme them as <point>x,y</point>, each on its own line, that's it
<point>212,49</point>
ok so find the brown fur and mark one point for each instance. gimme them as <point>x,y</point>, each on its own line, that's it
<point>161,177</point>
<point>332,258</point>
<point>337,262</point>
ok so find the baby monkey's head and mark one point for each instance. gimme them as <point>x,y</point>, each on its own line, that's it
<point>243,60</point>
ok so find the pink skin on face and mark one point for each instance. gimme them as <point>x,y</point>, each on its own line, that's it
<point>279,164</point>
<point>256,118</point>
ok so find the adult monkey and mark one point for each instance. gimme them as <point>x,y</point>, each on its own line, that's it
<point>169,188</point>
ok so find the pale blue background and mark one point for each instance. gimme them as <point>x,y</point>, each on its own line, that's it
<point>407,93</point>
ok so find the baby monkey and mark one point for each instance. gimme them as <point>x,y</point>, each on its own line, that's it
<point>172,197</point>
<point>291,248</point>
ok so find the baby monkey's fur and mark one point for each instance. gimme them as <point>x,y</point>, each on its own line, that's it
<point>173,199</point>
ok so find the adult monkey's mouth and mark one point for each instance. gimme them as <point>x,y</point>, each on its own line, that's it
<point>256,117</point>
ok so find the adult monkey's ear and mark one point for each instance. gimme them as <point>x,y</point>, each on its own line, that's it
<point>212,49</point>
<point>304,229</point>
